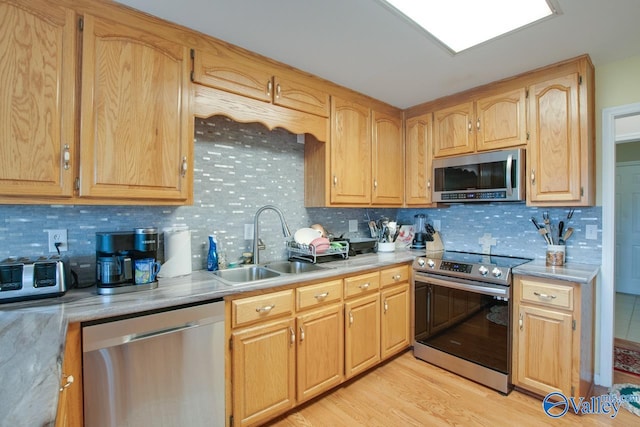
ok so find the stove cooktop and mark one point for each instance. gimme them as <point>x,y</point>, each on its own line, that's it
<point>469,265</point>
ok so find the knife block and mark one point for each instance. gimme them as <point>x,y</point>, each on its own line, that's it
<point>436,245</point>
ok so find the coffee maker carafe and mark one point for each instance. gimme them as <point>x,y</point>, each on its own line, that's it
<point>419,232</point>
<point>117,253</point>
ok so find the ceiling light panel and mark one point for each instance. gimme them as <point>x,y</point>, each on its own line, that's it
<point>461,24</point>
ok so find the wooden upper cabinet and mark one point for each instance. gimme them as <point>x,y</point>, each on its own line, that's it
<point>37,92</point>
<point>419,155</point>
<point>555,150</point>
<point>224,68</point>
<point>387,160</point>
<point>136,131</point>
<point>350,153</point>
<point>501,120</point>
<point>453,130</point>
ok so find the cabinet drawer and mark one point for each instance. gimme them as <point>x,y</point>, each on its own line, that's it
<point>394,275</point>
<point>322,293</point>
<point>357,285</point>
<point>261,307</point>
<point>553,295</point>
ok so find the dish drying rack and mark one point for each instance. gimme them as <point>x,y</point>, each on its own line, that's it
<point>308,252</point>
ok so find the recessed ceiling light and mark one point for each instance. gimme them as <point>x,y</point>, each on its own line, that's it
<point>461,24</point>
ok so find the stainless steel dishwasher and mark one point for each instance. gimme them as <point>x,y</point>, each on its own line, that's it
<point>159,369</point>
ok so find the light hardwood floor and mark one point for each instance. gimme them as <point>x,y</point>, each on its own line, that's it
<point>409,392</point>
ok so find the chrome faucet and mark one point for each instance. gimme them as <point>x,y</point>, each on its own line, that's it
<point>256,239</point>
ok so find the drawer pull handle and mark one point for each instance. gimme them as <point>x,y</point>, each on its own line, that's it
<point>350,318</point>
<point>293,336</point>
<point>322,295</point>
<point>520,322</point>
<point>397,277</point>
<point>266,308</point>
<point>269,88</point>
<point>70,381</point>
<point>386,306</point>
<point>364,286</point>
<point>301,334</point>
<point>66,157</point>
<point>545,296</point>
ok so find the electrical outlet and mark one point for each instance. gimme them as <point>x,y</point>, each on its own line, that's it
<point>591,232</point>
<point>436,224</point>
<point>353,225</point>
<point>248,232</point>
<point>58,236</point>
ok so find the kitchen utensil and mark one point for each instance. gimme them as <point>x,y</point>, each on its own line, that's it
<point>547,226</point>
<point>305,236</point>
<point>560,230</point>
<point>567,234</point>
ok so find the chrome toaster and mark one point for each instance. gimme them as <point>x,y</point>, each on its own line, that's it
<point>31,278</point>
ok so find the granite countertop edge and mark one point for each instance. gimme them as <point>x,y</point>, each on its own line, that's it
<point>572,272</point>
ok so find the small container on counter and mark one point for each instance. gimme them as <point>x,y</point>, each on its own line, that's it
<point>555,255</point>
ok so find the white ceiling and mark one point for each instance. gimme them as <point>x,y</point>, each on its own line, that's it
<point>362,45</point>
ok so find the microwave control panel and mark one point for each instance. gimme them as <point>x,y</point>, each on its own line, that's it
<point>474,195</point>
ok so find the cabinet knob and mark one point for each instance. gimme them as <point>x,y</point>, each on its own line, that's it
<point>375,184</point>
<point>533,176</point>
<point>70,381</point>
<point>269,87</point>
<point>266,308</point>
<point>470,126</point>
<point>292,335</point>
<point>278,90</point>
<point>183,167</point>
<point>66,157</point>
<point>322,295</point>
<point>350,318</point>
<point>335,180</point>
<point>428,183</point>
<point>386,306</point>
<point>301,334</point>
<point>520,322</point>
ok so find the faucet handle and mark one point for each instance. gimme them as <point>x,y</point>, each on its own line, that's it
<point>261,245</point>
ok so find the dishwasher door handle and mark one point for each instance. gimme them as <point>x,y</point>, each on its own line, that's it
<point>151,334</point>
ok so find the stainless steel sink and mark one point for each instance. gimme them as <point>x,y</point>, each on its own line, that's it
<point>246,274</point>
<point>293,267</point>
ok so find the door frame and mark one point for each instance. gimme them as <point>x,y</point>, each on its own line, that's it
<point>607,270</point>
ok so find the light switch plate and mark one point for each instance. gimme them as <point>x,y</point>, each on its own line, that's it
<point>248,232</point>
<point>436,224</point>
<point>353,225</point>
<point>592,232</point>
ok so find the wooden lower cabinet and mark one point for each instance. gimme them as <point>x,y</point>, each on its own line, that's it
<point>70,411</point>
<point>263,371</point>
<point>320,351</point>
<point>362,333</point>
<point>394,320</point>
<point>553,336</point>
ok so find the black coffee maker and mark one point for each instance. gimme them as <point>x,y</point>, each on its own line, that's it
<point>116,256</point>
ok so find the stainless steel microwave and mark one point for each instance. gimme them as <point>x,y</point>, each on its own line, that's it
<point>494,176</point>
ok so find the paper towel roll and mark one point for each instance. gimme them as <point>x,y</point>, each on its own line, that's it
<point>177,253</point>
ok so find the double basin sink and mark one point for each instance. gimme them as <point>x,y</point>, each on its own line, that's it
<point>254,273</point>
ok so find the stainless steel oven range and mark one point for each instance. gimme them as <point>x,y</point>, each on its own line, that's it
<point>463,314</point>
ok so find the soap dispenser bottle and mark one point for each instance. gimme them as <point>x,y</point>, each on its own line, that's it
<point>212,258</point>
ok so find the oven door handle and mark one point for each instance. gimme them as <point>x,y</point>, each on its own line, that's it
<point>479,288</point>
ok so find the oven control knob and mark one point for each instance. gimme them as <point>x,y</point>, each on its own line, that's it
<point>421,262</point>
<point>431,263</point>
<point>483,270</point>
<point>496,272</point>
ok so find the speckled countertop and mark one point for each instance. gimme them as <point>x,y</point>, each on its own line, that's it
<point>579,273</point>
<point>32,334</point>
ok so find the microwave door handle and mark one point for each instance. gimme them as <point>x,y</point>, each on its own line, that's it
<point>509,167</point>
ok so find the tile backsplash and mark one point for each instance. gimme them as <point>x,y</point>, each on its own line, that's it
<point>240,167</point>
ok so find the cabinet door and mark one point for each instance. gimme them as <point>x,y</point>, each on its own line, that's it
<point>320,355</point>
<point>263,371</point>
<point>70,402</point>
<point>395,320</point>
<point>362,334</point>
<point>224,68</point>
<point>387,161</point>
<point>350,153</point>
<point>453,130</point>
<point>419,154</point>
<point>554,154</point>
<point>501,120</point>
<point>544,340</point>
<point>37,96</point>
<point>136,129</point>
<point>297,94</point>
